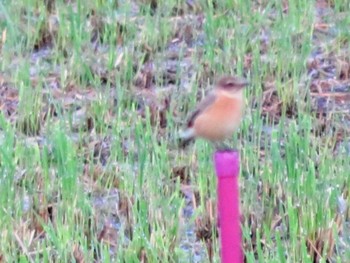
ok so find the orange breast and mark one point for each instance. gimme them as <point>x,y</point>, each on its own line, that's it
<point>219,120</point>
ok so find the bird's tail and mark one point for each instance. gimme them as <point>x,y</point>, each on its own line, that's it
<point>186,137</point>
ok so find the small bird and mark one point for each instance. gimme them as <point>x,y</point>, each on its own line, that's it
<point>219,114</point>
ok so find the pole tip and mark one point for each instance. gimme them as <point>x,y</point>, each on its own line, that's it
<point>226,163</point>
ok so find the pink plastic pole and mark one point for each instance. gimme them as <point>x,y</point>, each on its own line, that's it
<point>227,172</point>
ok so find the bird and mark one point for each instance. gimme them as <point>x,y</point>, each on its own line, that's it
<point>218,115</point>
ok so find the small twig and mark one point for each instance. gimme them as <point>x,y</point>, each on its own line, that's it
<point>314,248</point>
<point>24,249</point>
<point>330,94</point>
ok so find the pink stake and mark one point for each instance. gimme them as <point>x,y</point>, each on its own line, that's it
<point>227,172</point>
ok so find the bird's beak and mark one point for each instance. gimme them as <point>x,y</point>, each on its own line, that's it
<point>243,83</point>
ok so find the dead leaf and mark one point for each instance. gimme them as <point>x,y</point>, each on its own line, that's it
<point>101,149</point>
<point>342,69</point>
<point>3,37</point>
<point>145,79</point>
<point>108,234</point>
<point>247,63</point>
<point>251,220</point>
<point>125,211</point>
<point>143,256</point>
<point>205,227</point>
<point>322,27</point>
<point>82,120</point>
<point>119,60</point>
<point>324,238</point>
<point>78,254</point>
<point>181,172</point>
<point>43,210</point>
<point>276,221</point>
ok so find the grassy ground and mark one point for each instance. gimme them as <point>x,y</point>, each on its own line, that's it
<point>92,94</point>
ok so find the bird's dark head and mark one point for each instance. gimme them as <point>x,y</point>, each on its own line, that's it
<point>231,83</point>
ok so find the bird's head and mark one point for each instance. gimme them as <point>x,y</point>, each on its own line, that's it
<point>231,84</point>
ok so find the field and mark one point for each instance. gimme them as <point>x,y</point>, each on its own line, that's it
<point>93,94</point>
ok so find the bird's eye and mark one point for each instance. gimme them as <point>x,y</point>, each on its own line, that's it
<point>229,85</point>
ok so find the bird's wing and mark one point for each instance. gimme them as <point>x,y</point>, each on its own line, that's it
<point>202,106</point>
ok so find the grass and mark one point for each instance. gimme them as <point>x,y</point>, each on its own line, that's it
<point>92,94</point>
